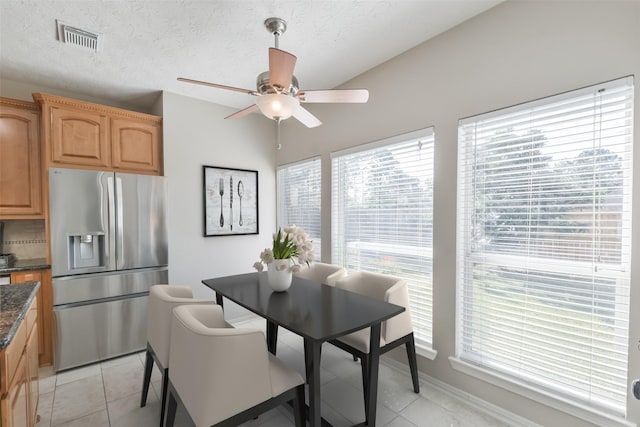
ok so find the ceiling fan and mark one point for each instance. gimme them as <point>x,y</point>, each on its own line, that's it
<point>277,92</point>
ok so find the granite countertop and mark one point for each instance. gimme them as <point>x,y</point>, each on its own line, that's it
<point>14,302</point>
<point>26,265</point>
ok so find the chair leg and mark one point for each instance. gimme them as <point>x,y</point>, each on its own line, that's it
<point>165,384</point>
<point>148,367</point>
<point>413,364</point>
<point>299,407</point>
<point>364,363</point>
<point>171,409</point>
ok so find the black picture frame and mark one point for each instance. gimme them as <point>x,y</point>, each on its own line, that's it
<point>230,201</point>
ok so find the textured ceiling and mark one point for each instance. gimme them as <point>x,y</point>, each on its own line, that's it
<point>148,44</point>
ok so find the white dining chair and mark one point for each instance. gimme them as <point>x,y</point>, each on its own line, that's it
<point>225,376</point>
<point>393,332</point>
<point>162,300</point>
<point>320,272</point>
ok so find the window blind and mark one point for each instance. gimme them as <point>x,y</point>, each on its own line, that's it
<point>381,207</point>
<point>544,242</point>
<point>298,198</point>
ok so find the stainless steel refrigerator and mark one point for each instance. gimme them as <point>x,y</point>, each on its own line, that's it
<point>108,246</point>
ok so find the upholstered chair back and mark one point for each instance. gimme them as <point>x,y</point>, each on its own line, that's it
<point>385,288</point>
<point>162,300</point>
<point>322,273</point>
<point>217,371</point>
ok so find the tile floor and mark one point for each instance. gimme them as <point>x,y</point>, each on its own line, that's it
<point>108,394</point>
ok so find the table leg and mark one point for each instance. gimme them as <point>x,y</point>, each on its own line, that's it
<point>312,359</point>
<point>219,300</point>
<point>374,362</point>
<point>272,337</point>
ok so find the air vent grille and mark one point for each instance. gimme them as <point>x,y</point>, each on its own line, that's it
<point>78,37</point>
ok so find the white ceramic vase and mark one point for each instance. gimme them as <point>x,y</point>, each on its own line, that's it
<point>279,275</point>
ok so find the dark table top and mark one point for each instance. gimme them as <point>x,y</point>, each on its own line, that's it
<point>310,309</point>
<point>14,301</point>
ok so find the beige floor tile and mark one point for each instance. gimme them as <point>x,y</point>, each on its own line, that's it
<point>123,360</point>
<point>47,379</point>
<point>400,422</point>
<point>45,404</point>
<point>77,399</point>
<point>126,411</point>
<point>123,379</point>
<point>423,412</point>
<point>97,419</point>
<point>78,373</point>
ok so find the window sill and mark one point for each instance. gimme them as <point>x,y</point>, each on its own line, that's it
<point>539,395</point>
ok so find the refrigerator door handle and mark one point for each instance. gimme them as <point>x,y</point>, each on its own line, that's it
<point>119,224</point>
<point>111,219</point>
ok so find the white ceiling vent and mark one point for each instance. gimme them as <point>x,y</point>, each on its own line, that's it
<point>78,37</point>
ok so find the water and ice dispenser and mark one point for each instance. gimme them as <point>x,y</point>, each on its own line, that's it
<point>86,250</point>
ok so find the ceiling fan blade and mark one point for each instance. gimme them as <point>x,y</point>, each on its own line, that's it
<point>251,109</point>
<point>281,65</point>
<point>235,89</point>
<point>306,118</point>
<point>335,95</point>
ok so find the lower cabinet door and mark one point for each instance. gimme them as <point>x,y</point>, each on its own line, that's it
<point>15,407</point>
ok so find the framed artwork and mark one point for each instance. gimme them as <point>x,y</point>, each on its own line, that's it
<point>230,201</point>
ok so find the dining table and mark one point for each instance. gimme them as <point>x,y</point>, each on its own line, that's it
<point>316,312</point>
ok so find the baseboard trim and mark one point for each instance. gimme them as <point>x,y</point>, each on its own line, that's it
<point>498,412</point>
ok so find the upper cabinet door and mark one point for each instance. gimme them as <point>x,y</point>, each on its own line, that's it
<point>85,135</point>
<point>79,137</point>
<point>135,145</point>
<point>20,178</point>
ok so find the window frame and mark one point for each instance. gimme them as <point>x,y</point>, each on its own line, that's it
<point>521,386</point>
<point>424,347</point>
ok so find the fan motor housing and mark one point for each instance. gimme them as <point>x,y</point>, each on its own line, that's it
<point>264,87</point>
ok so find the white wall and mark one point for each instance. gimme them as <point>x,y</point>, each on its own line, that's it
<point>513,53</point>
<point>195,134</point>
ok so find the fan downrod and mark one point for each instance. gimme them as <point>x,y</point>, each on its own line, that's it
<point>277,27</point>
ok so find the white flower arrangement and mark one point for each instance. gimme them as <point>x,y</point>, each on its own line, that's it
<point>293,244</point>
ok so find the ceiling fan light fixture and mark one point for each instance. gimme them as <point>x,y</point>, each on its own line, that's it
<point>277,105</point>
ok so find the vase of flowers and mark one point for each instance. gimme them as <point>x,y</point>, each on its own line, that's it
<point>291,248</point>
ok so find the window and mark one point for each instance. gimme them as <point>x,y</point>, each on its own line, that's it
<point>544,242</point>
<point>299,198</point>
<point>381,209</point>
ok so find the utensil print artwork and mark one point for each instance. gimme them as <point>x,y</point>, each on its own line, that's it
<point>221,194</point>
<point>231,202</point>
<point>240,194</point>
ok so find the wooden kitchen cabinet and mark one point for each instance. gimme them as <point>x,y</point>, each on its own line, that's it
<point>86,135</point>
<point>44,298</point>
<point>20,167</point>
<point>135,145</point>
<point>15,408</point>
<point>78,137</point>
<point>19,383</point>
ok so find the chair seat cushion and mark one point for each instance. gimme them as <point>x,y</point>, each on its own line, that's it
<point>360,340</point>
<point>283,378</point>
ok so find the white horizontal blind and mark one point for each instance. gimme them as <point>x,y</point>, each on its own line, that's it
<point>381,221</point>
<point>298,198</point>
<point>544,242</point>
